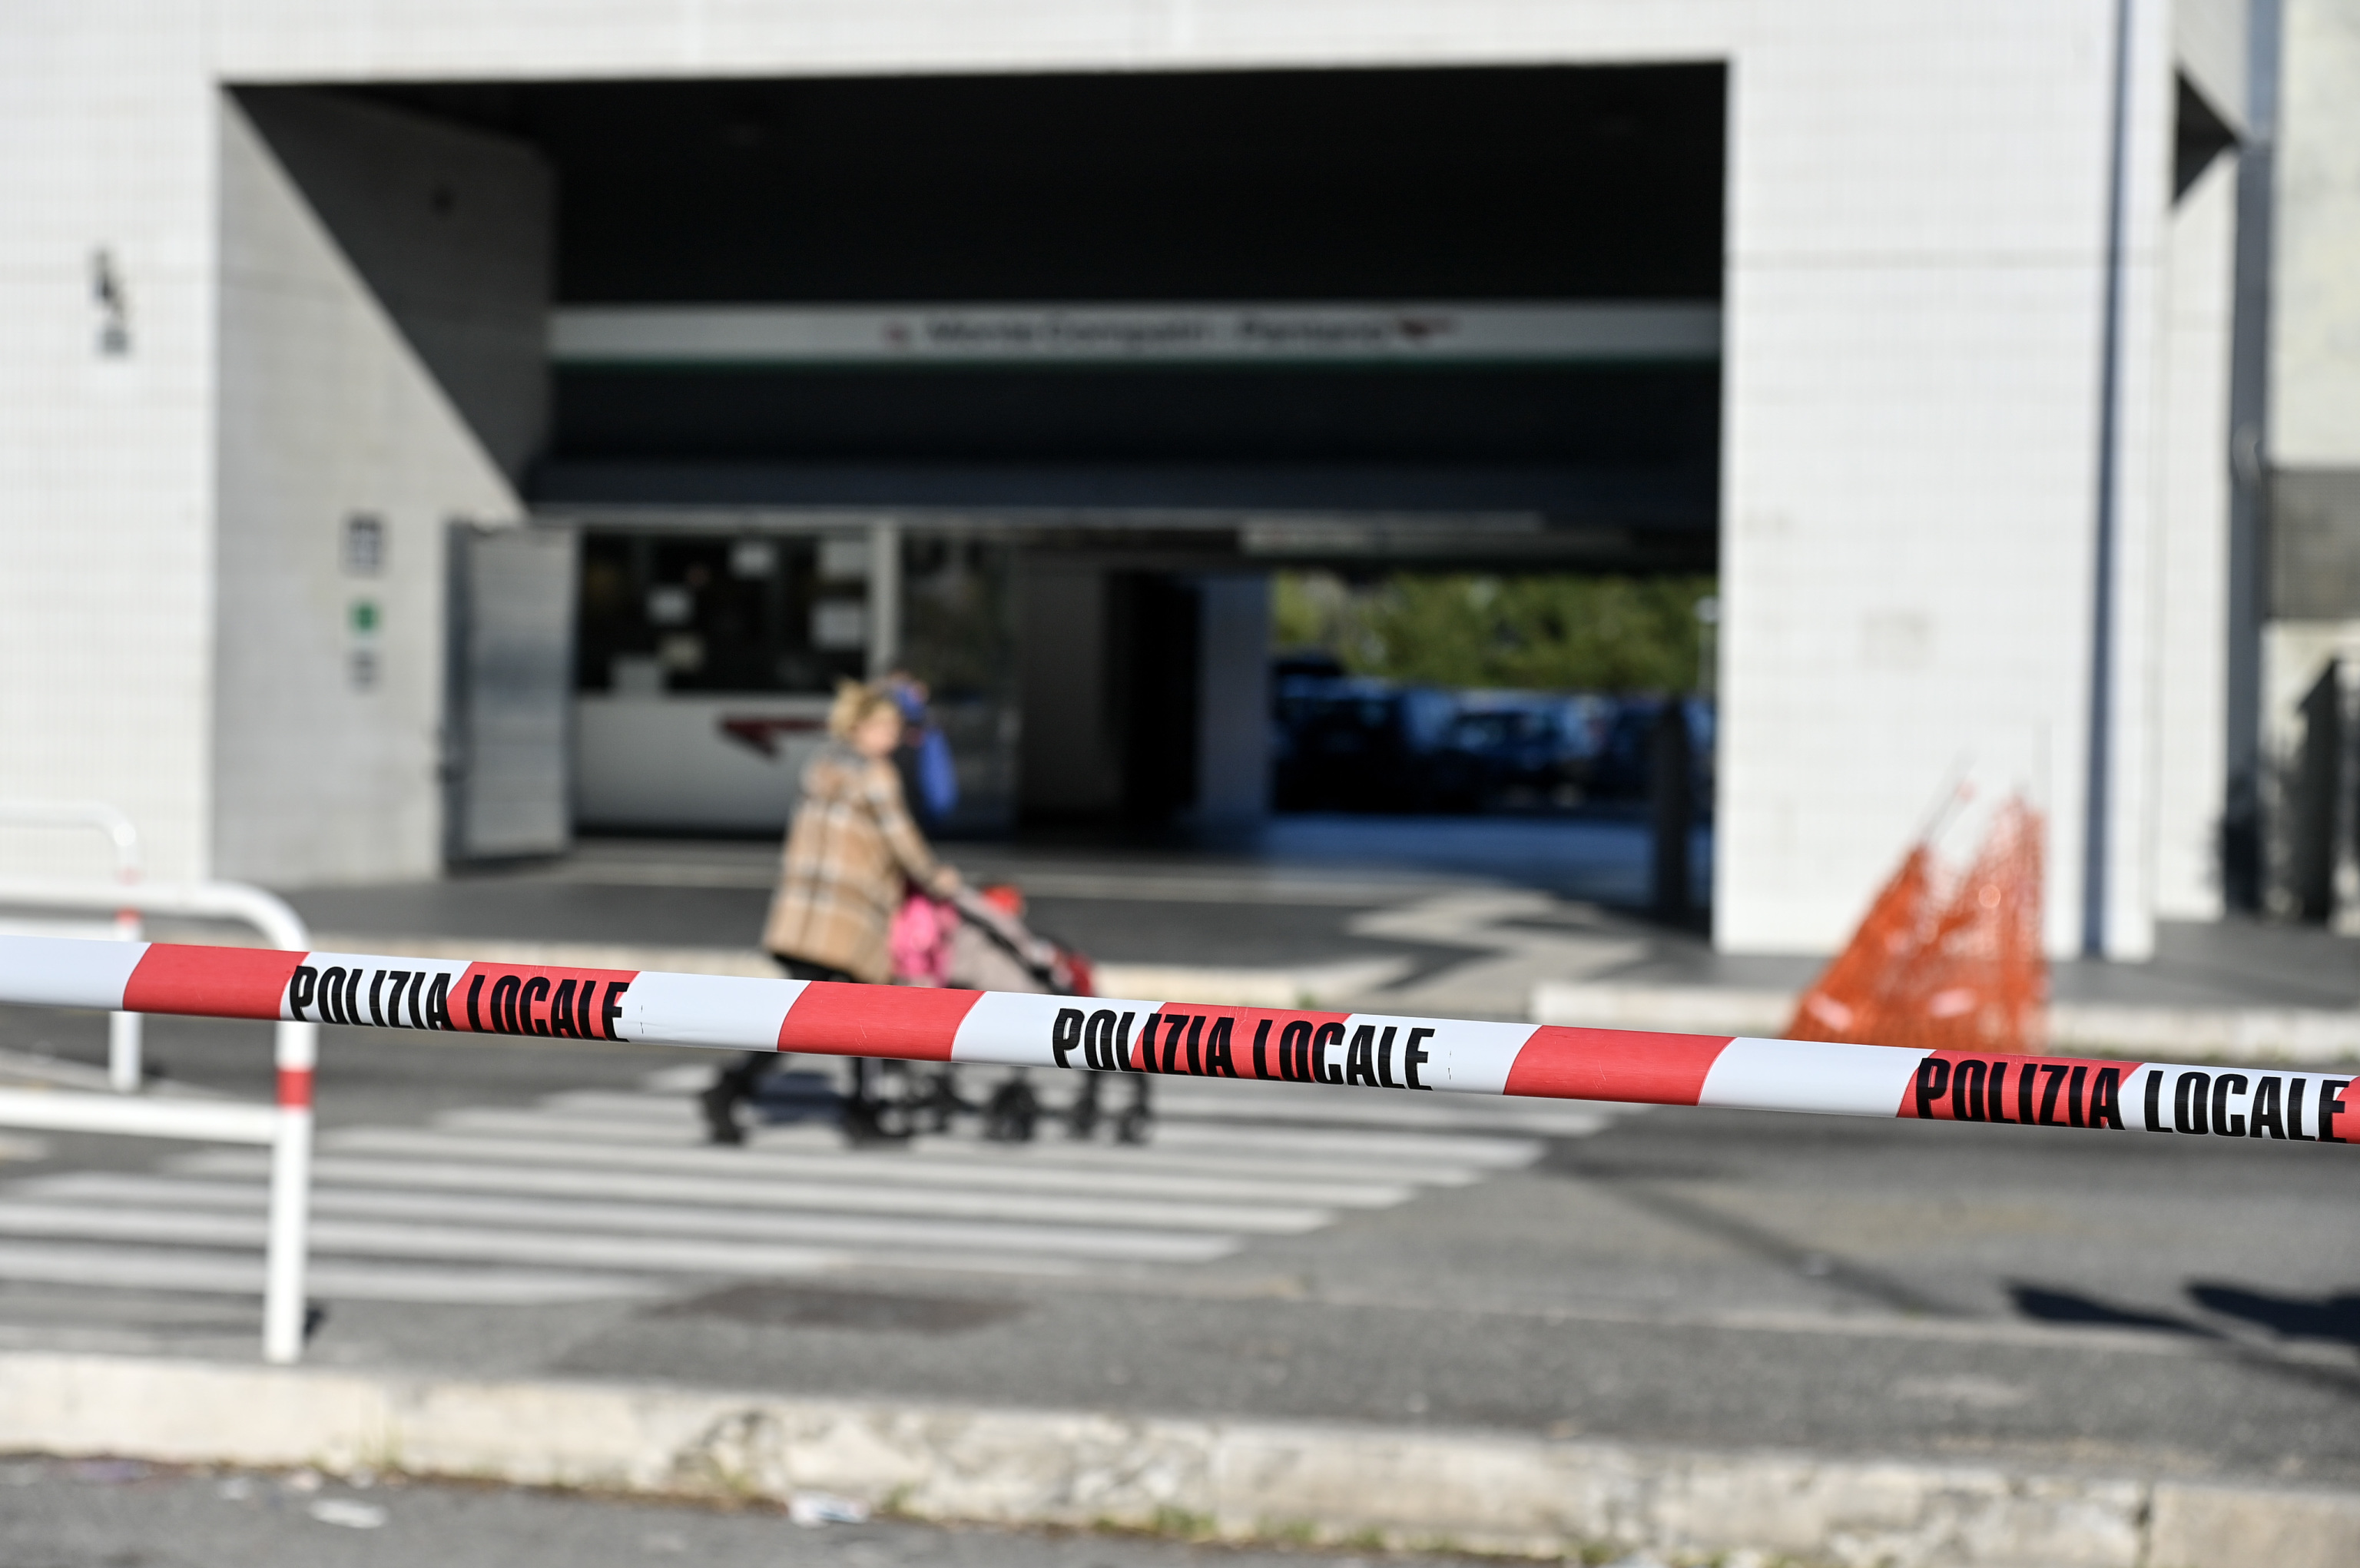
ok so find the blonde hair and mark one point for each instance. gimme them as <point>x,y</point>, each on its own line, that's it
<point>858,702</point>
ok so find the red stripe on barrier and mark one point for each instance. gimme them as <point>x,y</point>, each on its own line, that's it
<point>914,1023</point>
<point>2039,1091</point>
<point>1614,1064</point>
<point>295,1088</point>
<point>1231,1042</point>
<point>212,982</point>
<point>534,999</point>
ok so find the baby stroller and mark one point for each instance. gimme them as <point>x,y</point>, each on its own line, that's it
<point>978,941</point>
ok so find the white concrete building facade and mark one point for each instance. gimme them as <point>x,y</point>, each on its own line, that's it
<point>1970,329</point>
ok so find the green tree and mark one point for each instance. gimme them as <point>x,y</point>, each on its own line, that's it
<point>1558,632</point>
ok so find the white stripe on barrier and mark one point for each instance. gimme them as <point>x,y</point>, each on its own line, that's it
<point>1805,1075</point>
<point>60,972</point>
<point>726,1011</point>
<point>999,1017</point>
<point>1460,1056</point>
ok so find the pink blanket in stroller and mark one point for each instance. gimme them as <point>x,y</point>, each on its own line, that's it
<point>970,942</point>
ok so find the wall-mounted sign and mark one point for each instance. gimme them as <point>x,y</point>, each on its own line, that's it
<point>361,659</point>
<point>839,624</point>
<point>364,545</point>
<point>1138,335</point>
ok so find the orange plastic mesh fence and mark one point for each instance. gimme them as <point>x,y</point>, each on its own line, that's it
<point>1935,967</point>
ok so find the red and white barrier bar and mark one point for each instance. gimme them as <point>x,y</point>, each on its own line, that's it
<point>1369,1050</point>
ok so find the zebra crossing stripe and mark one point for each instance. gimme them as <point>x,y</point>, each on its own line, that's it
<point>240,1274</point>
<point>550,1203</point>
<point>580,1177</point>
<point>676,1219</point>
<point>1234,1173</point>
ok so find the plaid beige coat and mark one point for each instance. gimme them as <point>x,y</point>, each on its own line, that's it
<point>850,854</point>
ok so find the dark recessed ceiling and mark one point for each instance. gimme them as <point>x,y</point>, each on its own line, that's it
<point>1479,184</point>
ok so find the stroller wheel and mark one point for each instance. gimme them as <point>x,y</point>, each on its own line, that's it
<point>1012,1114</point>
<point>720,1116</point>
<point>1083,1117</point>
<point>871,1122</point>
<point>1130,1127</point>
<point>942,1102</point>
<point>878,1108</point>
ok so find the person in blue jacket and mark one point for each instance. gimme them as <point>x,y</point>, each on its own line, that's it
<point>930,775</point>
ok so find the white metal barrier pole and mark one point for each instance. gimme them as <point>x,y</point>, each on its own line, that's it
<point>295,1051</point>
<point>126,1067</point>
<point>126,1051</point>
<point>201,1121</point>
<point>123,1065</point>
<point>287,1127</point>
<point>297,1048</point>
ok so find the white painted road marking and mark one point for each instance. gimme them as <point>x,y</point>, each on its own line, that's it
<point>606,1195</point>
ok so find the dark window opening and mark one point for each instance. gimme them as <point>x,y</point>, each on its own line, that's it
<point>716,613</point>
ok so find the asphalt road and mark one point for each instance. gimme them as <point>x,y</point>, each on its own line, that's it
<point>111,1514</point>
<point>1880,1288</point>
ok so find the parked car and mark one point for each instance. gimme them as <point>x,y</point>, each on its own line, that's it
<point>1315,662</point>
<point>1355,744</point>
<point>1352,743</point>
<point>1510,750</point>
<point>1624,768</point>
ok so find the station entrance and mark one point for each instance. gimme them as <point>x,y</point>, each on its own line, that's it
<point>1028,385</point>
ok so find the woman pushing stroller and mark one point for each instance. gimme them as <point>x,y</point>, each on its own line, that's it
<point>852,853</point>
<point>977,941</point>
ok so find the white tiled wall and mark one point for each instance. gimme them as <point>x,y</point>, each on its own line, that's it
<point>1912,402</point>
<point>2315,286</point>
<point>2209,37</point>
<point>325,412</point>
<point>105,464</point>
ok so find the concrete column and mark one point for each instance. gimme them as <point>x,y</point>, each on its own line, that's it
<point>2127,797</point>
<point>884,598</point>
<point>1068,761</point>
<point>1233,702</point>
<point>2190,695</point>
